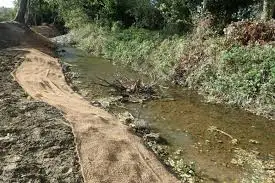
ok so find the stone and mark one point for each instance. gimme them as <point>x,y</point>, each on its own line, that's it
<point>152,137</point>
<point>254,141</point>
<point>126,118</point>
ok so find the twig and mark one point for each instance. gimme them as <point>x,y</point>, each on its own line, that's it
<point>214,128</point>
<point>104,80</point>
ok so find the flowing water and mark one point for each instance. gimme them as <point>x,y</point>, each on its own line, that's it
<point>225,143</point>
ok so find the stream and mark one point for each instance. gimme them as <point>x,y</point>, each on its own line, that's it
<point>224,144</point>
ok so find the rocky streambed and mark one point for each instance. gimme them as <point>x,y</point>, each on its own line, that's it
<point>36,142</point>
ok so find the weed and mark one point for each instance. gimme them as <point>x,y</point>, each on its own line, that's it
<point>221,70</point>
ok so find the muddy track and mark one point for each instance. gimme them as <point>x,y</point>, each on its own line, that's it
<point>108,152</point>
<point>36,142</point>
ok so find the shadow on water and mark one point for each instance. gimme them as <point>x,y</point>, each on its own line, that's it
<point>208,134</point>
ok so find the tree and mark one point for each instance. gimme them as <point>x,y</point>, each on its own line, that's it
<point>28,14</point>
<point>268,6</point>
<point>176,15</point>
<point>204,6</point>
<point>20,16</point>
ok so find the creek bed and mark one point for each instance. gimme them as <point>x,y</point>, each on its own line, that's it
<point>223,143</point>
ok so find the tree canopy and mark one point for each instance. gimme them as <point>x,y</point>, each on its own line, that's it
<point>6,14</point>
<point>170,15</point>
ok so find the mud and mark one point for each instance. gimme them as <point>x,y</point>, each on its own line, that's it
<point>36,142</point>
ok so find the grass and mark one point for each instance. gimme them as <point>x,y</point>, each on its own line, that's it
<point>221,71</point>
<point>140,49</point>
<point>243,76</point>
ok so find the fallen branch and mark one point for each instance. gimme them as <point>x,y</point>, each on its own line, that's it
<point>127,86</point>
<point>214,128</point>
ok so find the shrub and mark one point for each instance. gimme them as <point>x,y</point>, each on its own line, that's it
<point>243,76</point>
<point>246,32</point>
<point>140,49</point>
<point>6,14</point>
<point>237,75</point>
<point>222,72</point>
<point>91,38</point>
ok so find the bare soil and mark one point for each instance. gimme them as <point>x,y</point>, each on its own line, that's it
<point>48,31</point>
<point>36,142</point>
<point>13,34</point>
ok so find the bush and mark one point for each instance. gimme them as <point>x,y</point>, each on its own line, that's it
<point>218,69</point>
<point>242,76</point>
<point>141,49</point>
<point>246,32</point>
<point>6,14</point>
<point>249,71</point>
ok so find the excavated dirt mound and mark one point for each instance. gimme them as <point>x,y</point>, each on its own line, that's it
<point>14,34</point>
<point>36,142</point>
<point>48,31</point>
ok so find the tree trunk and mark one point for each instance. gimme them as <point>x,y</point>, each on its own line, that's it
<point>20,16</point>
<point>273,9</point>
<point>41,14</point>
<point>204,6</point>
<point>267,9</point>
<point>28,14</point>
<point>35,19</point>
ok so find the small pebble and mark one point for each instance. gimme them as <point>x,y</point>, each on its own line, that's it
<point>254,141</point>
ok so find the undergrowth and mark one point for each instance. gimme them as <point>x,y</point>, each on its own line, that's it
<point>142,50</point>
<point>221,69</point>
<point>242,76</point>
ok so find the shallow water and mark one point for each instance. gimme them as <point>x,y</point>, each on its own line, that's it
<point>204,132</point>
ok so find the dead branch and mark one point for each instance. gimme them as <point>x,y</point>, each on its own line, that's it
<point>128,87</point>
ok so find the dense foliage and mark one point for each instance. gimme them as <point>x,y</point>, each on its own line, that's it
<point>244,76</point>
<point>172,16</point>
<point>6,14</point>
<point>222,69</point>
<point>40,11</point>
<point>246,32</point>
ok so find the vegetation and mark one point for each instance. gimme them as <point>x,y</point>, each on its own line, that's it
<point>6,14</point>
<point>20,16</point>
<point>171,16</point>
<point>191,42</point>
<point>237,71</point>
<point>234,74</point>
<point>248,72</point>
<point>141,49</point>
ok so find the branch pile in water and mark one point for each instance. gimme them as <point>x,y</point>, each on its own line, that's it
<point>127,87</point>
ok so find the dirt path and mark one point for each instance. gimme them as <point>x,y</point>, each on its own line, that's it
<point>108,152</point>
